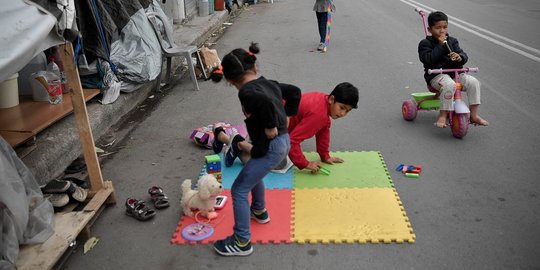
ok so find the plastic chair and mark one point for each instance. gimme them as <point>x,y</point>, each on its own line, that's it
<point>170,49</point>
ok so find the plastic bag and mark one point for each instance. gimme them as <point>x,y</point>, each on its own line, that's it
<point>25,216</point>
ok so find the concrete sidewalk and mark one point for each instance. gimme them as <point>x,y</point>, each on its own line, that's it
<point>59,145</point>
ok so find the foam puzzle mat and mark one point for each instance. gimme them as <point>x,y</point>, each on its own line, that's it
<point>355,203</point>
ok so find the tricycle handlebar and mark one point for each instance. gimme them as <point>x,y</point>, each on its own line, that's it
<point>440,70</point>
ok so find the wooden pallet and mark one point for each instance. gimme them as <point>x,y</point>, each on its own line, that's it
<point>70,225</point>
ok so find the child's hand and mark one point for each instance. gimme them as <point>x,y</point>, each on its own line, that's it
<point>314,166</point>
<point>454,56</point>
<point>271,132</point>
<point>333,160</point>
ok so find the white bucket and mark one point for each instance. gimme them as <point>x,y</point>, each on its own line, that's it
<point>9,92</point>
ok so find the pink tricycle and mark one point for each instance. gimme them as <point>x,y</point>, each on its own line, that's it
<point>459,117</point>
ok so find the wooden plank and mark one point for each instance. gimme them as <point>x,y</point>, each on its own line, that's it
<point>44,256</point>
<point>81,116</point>
<point>100,197</point>
<point>15,138</point>
<point>33,116</point>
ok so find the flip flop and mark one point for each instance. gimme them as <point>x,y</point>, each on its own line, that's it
<point>139,210</point>
<point>159,198</point>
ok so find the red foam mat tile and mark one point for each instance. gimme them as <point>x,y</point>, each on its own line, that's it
<point>278,230</point>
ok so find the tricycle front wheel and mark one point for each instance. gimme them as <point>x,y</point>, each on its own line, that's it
<point>459,124</point>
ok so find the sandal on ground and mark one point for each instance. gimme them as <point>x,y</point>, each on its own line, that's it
<point>139,210</point>
<point>159,198</point>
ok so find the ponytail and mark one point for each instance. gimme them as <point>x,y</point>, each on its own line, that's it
<point>236,63</point>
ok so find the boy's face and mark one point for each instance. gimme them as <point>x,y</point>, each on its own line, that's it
<point>439,29</point>
<point>338,109</point>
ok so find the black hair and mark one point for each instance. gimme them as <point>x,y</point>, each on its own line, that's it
<point>435,17</point>
<point>235,64</point>
<point>346,93</point>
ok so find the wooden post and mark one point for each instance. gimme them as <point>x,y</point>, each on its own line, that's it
<point>81,117</point>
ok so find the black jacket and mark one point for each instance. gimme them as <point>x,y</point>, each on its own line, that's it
<point>434,55</point>
<point>266,104</point>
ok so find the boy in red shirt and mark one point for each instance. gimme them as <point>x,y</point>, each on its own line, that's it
<point>313,119</point>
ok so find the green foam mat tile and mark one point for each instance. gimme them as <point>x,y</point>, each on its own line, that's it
<point>364,169</point>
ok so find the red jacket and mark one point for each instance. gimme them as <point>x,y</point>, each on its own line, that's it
<point>311,120</point>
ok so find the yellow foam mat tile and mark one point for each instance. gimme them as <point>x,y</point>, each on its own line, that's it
<point>354,215</point>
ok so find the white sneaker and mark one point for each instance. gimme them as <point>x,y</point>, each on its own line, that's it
<point>321,47</point>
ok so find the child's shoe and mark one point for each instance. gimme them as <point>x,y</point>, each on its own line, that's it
<point>231,246</point>
<point>233,151</point>
<point>261,216</point>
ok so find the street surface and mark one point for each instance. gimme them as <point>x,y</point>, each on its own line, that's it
<point>477,202</point>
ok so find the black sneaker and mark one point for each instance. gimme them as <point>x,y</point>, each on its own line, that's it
<point>262,217</point>
<point>230,246</point>
<point>56,186</point>
<point>233,151</point>
<point>217,146</point>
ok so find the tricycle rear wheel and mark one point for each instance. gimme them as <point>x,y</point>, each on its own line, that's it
<point>409,110</point>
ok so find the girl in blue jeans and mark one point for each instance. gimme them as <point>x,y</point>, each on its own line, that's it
<point>266,105</point>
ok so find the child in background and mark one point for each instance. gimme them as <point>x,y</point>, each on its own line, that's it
<point>442,51</point>
<point>313,119</point>
<point>266,123</point>
<point>321,10</point>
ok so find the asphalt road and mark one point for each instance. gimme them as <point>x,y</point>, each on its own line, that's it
<point>476,205</point>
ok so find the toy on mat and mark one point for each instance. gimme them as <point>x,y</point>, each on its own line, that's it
<point>202,199</point>
<point>411,171</point>
<point>213,166</point>
<point>220,202</point>
<point>324,170</point>
<point>197,231</point>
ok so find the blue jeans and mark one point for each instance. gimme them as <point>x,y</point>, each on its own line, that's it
<point>322,20</point>
<point>251,179</point>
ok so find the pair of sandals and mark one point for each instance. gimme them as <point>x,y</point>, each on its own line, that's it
<point>139,210</point>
